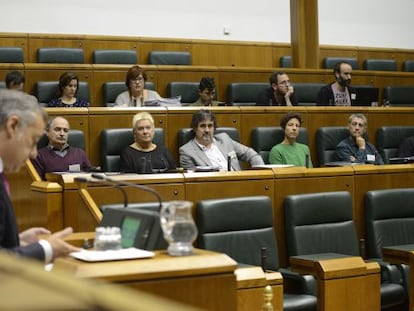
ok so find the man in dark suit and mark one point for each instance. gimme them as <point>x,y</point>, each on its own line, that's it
<point>22,123</point>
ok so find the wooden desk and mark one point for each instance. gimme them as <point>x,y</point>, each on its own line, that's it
<point>402,254</point>
<point>251,282</point>
<point>205,279</point>
<point>344,282</point>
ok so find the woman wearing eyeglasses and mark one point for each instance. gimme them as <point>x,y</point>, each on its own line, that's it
<point>143,156</point>
<point>136,95</point>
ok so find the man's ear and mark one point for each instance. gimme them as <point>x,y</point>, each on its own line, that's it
<point>12,125</point>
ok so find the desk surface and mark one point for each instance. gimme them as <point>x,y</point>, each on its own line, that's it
<point>162,266</point>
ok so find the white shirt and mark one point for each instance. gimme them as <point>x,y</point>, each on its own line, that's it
<point>214,154</point>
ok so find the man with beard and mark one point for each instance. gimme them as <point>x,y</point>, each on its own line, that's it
<point>355,148</point>
<point>214,150</point>
<point>338,93</point>
<point>58,156</point>
<point>280,92</point>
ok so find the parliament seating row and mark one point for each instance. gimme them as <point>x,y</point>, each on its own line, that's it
<point>76,56</point>
<point>368,64</point>
<point>238,94</point>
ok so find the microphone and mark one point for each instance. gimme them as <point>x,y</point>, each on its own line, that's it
<point>84,180</point>
<point>120,183</point>
<point>228,163</point>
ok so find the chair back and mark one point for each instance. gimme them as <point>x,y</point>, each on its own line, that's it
<point>408,65</point>
<point>320,223</point>
<point>389,138</point>
<point>115,57</point>
<point>76,138</point>
<point>244,93</point>
<point>45,91</point>
<point>380,64</point>
<point>2,85</point>
<point>110,90</point>
<point>187,90</point>
<point>60,55</point>
<point>186,134</point>
<point>239,227</point>
<point>11,55</point>
<point>263,139</point>
<point>169,58</point>
<point>285,61</point>
<point>327,138</point>
<point>399,96</point>
<point>387,225</point>
<point>114,141</point>
<point>307,93</point>
<point>330,62</point>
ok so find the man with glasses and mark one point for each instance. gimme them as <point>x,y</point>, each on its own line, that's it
<point>355,148</point>
<point>136,95</point>
<point>338,93</point>
<point>58,156</point>
<point>280,92</point>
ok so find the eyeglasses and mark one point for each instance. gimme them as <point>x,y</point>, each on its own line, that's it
<point>137,80</point>
<point>354,124</point>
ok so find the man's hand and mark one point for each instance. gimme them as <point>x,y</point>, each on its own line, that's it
<point>288,94</point>
<point>360,141</point>
<point>32,235</point>
<point>59,246</point>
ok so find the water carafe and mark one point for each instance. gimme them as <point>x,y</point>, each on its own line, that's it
<point>178,227</point>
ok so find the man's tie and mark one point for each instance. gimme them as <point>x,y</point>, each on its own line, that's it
<point>5,183</point>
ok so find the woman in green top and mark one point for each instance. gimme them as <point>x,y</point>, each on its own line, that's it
<point>289,151</point>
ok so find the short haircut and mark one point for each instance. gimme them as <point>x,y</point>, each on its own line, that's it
<point>290,115</point>
<point>14,78</point>
<point>360,116</point>
<point>142,116</point>
<point>207,83</point>
<point>51,120</point>
<point>273,77</point>
<point>203,115</point>
<point>65,79</point>
<point>25,106</point>
<point>337,67</point>
<point>133,73</point>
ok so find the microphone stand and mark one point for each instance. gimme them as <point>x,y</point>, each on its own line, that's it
<point>120,183</point>
<point>84,180</point>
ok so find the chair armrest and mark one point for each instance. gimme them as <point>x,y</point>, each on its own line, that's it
<point>296,283</point>
<point>390,273</point>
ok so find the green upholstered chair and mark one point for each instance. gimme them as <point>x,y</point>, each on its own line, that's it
<point>317,223</point>
<point>306,93</point>
<point>244,93</point>
<point>115,57</point>
<point>327,138</point>
<point>264,138</point>
<point>187,90</point>
<point>169,58</point>
<point>113,141</point>
<point>60,55</point>
<point>380,64</point>
<point>45,91</point>
<point>240,227</point>
<point>399,96</point>
<point>110,90</point>
<point>389,138</point>
<point>11,55</point>
<point>330,62</point>
<point>408,65</point>
<point>285,61</point>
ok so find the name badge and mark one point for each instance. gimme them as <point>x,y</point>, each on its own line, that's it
<point>371,157</point>
<point>74,168</point>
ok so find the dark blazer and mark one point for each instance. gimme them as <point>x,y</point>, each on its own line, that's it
<point>9,235</point>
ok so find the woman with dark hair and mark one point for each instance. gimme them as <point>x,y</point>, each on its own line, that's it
<point>67,90</point>
<point>289,151</point>
<point>136,94</point>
